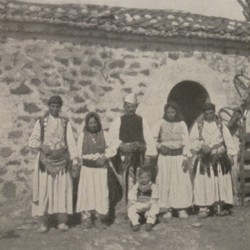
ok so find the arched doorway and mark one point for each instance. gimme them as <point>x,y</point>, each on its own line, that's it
<point>190,97</point>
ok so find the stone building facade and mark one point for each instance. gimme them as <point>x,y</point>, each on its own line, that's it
<point>93,56</point>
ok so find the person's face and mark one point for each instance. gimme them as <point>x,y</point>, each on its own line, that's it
<point>209,115</point>
<point>92,124</point>
<point>171,113</point>
<point>144,178</point>
<point>130,108</point>
<point>54,109</point>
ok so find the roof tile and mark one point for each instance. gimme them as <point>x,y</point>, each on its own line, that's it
<point>162,23</point>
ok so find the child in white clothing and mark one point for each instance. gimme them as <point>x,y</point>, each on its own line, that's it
<point>143,197</point>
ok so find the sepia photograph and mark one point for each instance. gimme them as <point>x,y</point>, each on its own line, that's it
<point>124,124</point>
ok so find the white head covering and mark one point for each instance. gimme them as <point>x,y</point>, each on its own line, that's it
<point>131,98</point>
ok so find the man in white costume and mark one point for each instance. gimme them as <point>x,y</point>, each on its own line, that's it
<point>214,148</point>
<point>57,157</point>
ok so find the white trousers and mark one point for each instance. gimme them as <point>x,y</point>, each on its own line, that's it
<point>151,211</point>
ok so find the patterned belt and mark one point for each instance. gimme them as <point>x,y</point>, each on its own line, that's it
<point>90,164</point>
<point>136,147</point>
<point>171,152</point>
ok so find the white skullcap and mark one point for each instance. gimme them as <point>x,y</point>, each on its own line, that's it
<point>131,98</point>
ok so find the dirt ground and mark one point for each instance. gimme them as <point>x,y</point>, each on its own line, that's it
<point>213,233</point>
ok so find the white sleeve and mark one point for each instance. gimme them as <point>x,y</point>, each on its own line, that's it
<point>195,143</point>
<point>156,131</point>
<point>185,140</point>
<point>229,141</point>
<point>71,143</point>
<point>35,138</point>
<point>149,140</point>
<point>79,144</point>
<point>113,135</point>
<point>110,151</point>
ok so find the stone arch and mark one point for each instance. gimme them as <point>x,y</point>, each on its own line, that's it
<point>162,80</point>
<point>190,96</point>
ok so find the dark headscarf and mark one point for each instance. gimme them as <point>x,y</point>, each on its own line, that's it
<point>55,99</point>
<point>98,120</point>
<point>88,147</point>
<point>208,106</point>
<point>178,116</point>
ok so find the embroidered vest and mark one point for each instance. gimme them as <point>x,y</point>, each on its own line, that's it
<point>43,124</point>
<point>219,124</point>
<point>213,160</point>
<point>166,134</point>
<point>144,194</point>
<point>93,144</point>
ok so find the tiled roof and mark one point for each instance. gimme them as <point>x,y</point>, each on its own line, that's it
<point>155,23</point>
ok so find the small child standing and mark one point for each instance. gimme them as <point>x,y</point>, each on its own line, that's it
<point>143,197</point>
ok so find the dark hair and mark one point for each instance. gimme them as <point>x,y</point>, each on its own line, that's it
<point>208,106</point>
<point>144,170</point>
<point>97,118</point>
<point>178,116</point>
<point>55,99</point>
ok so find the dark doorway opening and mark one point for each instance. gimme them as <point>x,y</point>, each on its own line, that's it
<point>190,96</point>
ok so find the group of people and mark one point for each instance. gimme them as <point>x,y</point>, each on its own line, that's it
<point>169,169</point>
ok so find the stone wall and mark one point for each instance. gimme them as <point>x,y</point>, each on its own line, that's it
<point>89,77</point>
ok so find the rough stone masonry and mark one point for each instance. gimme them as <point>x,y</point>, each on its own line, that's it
<point>94,70</point>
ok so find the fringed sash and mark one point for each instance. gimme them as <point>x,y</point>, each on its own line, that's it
<point>58,160</point>
<point>55,162</point>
